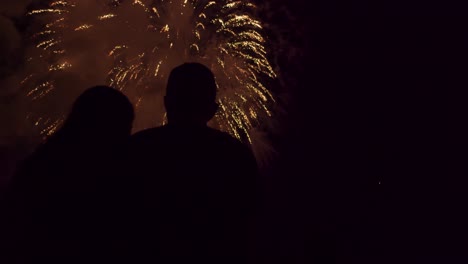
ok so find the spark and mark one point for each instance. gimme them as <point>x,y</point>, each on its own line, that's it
<point>83,27</point>
<point>57,3</point>
<point>104,17</point>
<point>42,11</point>
<point>61,66</point>
<point>41,90</point>
<point>165,29</point>
<point>155,10</point>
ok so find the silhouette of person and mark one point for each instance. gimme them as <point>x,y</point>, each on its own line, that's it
<point>66,196</point>
<point>198,183</point>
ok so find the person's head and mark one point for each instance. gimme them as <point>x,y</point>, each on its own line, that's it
<point>191,95</point>
<point>101,113</point>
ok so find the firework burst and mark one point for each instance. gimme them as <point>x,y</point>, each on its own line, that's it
<point>132,45</point>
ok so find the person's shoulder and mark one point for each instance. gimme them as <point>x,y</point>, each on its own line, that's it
<point>236,152</point>
<point>224,137</point>
<point>148,134</point>
<point>229,142</point>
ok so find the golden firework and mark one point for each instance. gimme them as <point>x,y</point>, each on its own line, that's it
<point>138,42</point>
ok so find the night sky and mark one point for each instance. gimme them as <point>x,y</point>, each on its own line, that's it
<point>373,148</point>
<point>374,162</point>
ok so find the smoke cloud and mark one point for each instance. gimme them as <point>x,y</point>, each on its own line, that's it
<point>14,141</point>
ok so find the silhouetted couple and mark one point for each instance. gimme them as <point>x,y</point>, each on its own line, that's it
<point>175,194</point>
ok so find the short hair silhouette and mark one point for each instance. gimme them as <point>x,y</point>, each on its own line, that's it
<point>100,109</point>
<point>190,211</point>
<point>191,94</point>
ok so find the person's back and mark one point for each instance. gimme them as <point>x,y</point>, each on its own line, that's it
<point>199,183</point>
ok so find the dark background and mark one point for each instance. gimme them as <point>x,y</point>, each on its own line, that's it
<point>381,98</point>
<point>373,148</point>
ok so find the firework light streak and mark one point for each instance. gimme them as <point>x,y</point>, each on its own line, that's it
<point>142,40</point>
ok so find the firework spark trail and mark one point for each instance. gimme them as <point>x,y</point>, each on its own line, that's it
<point>138,42</point>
